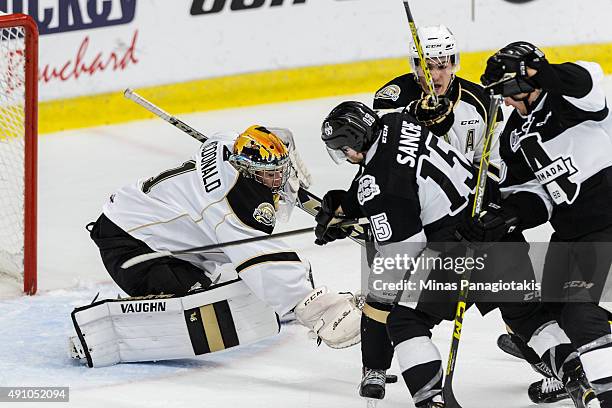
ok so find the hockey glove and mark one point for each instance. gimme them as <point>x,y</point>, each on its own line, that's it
<point>324,232</point>
<point>426,111</point>
<point>492,225</point>
<point>333,317</point>
<point>506,71</point>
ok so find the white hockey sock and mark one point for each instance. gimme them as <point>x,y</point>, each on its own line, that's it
<point>596,360</point>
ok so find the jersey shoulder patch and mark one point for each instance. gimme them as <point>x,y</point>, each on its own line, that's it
<point>253,204</point>
<point>368,189</point>
<point>397,93</point>
<point>389,92</point>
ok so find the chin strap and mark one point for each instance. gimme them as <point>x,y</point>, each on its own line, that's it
<point>525,100</point>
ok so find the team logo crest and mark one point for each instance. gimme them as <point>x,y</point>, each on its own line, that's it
<point>368,189</point>
<point>265,214</point>
<point>328,129</point>
<point>515,141</point>
<point>389,92</point>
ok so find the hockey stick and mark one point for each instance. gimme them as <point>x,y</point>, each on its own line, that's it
<point>307,201</point>
<point>173,120</point>
<point>161,254</point>
<point>419,48</point>
<point>449,395</point>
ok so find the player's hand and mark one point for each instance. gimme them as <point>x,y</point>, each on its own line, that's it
<point>492,225</point>
<point>426,111</point>
<point>325,232</point>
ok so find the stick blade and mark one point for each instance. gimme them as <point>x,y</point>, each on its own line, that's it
<point>449,397</point>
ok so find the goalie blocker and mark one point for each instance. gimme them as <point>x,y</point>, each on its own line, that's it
<point>165,327</point>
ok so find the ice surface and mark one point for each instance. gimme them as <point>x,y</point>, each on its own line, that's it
<point>79,169</point>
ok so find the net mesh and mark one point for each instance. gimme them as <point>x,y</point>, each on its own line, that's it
<point>12,148</point>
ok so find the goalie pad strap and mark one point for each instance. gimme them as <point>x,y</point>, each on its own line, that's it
<point>375,314</point>
<point>168,327</point>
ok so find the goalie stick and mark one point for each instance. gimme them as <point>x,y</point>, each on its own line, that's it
<point>337,222</point>
<point>449,395</point>
<point>306,200</point>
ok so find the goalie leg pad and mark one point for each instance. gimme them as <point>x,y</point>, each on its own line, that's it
<point>167,327</point>
<point>333,317</point>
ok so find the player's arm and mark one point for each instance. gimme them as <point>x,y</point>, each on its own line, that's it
<point>337,203</point>
<point>524,204</point>
<point>523,195</point>
<point>569,79</point>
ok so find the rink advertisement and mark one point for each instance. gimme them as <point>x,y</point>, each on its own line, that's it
<point>268,50</point>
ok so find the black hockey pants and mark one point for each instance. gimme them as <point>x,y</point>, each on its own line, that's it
<point>159,276</point>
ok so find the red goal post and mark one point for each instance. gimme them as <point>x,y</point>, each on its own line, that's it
<point>18,148</point>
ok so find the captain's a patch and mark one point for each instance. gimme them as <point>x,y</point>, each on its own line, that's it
<point>265,214</point>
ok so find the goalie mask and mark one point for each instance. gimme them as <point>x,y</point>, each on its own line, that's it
<point>439,46</point>
<point>261,155</point>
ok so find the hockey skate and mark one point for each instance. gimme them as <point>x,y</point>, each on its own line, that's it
<point>436,402</point>
<point>579,389</point>
<point>372,386</point>
<point>547,390</point>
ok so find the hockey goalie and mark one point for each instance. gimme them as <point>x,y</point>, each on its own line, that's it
<point>234,187</point>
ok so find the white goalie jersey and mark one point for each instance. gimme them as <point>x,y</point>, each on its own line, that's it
<point>205,201</point>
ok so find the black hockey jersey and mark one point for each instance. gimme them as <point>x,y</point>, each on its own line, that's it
<point>562,151</point>
<point>410,184</point>
<point>466,126</point>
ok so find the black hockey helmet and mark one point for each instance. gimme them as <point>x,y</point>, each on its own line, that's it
<point>506,71</point>
<point>350,124</point>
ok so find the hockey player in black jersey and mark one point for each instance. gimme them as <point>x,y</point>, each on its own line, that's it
<point>557,150</point>
<point>460,118</point>
<point>413,187</point>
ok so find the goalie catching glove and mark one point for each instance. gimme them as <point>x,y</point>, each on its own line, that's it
<point>333,317</point>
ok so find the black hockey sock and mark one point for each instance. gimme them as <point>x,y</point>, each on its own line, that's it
<point>561,359</point>
<point>424,381</point>
<point>376,347</point>
<point>528,353</point>
<point>605,399</point>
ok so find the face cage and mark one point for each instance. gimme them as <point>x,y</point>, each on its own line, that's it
<point>263,173</point>
<point>451,59</point>
<point>509,87</point>
<point>337,155</point>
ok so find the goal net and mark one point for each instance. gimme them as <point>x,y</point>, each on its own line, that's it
<point>18,140</point>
